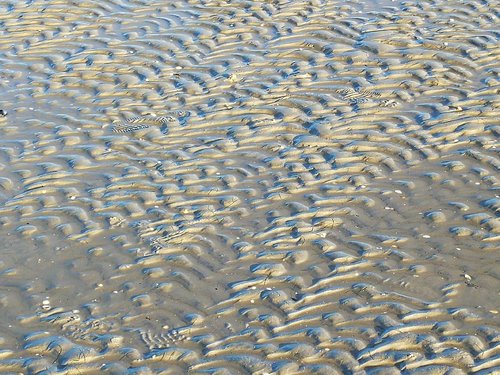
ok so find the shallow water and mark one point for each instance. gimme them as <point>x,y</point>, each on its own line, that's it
<point>279,187</point>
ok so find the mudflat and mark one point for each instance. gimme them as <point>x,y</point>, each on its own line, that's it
<point>245,187</point>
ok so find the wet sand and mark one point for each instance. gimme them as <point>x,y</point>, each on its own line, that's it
<point>207,187</point>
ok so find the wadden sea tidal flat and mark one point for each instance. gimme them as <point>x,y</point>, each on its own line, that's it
<point>249,187</point>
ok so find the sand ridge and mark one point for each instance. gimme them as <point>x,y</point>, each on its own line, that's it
<point>246,187</point>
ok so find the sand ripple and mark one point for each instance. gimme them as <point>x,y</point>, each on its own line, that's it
<point>254,187</point>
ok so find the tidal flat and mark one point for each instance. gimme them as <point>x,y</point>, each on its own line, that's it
<point>249,187</point>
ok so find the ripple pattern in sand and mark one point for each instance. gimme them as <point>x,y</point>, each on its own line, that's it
<point>255,187</point>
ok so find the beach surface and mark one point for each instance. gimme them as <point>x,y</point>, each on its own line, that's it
<point>249,187</point>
